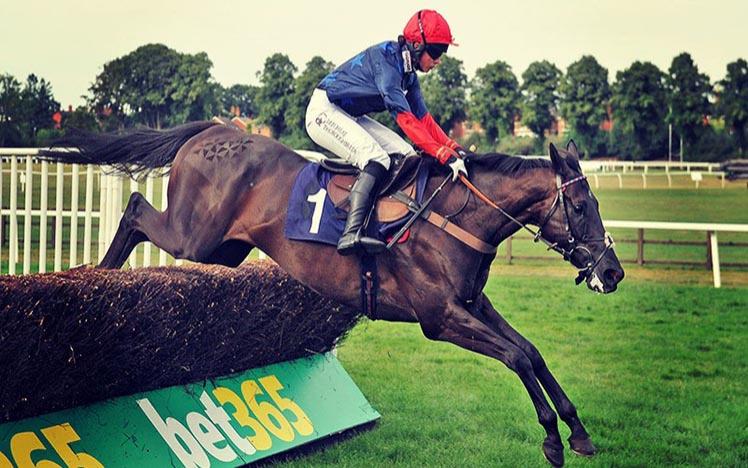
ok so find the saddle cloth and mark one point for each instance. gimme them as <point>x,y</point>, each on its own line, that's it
<point>318,206</point>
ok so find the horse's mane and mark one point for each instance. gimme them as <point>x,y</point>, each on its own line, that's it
<point>506,164</point>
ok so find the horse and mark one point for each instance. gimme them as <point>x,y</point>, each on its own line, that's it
<point>228,193</point>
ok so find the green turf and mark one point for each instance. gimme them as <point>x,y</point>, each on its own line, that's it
<point>658,374</point>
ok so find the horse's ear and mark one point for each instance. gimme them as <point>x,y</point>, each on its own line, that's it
<point>571,147</point>
<point>559,164</point>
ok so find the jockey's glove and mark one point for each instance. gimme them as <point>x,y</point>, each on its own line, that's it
<point>458,167</point>
<point>465,154</point>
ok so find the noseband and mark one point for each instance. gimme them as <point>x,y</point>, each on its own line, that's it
<point>574,246</point>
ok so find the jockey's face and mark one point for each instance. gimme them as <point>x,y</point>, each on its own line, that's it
<point>427,63</point>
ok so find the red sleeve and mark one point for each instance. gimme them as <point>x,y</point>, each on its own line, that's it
<point>437,133</point>
<point>419,134</point>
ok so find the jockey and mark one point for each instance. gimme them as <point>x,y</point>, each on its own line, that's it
<point>381,77</point>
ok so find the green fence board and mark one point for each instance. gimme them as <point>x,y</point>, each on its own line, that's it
<point>230,421</point>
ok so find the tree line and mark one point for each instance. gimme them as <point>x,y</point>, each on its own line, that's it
<point>159,87</point>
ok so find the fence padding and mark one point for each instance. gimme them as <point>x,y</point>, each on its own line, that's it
<point>85,335</point>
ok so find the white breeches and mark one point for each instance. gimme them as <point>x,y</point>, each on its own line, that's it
<point>358,140</point>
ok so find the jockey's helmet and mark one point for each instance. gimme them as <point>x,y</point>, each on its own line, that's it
<point>428,31</point>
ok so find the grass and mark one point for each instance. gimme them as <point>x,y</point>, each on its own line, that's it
<point>658,374</point>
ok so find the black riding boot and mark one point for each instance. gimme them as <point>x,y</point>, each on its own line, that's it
<point>363,195</point>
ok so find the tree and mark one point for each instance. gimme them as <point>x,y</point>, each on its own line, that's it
<point>150,70</point>
<point>688,97</point>
<point>108,95</point>
<point>241,97</point>
<point>192,93</point>
<point>640,108</point>
<point>24,111</point>
<point>444,91</point>
<point>494,99</point>
<point>277,85</point>
<point>540,96</point>
<point>316,69</point>
<point>10,111</point>
<point>732,101</point>
<point>156,86</point>
<point>585,93</point>
<point>38,105</point>
<point>81,118</point>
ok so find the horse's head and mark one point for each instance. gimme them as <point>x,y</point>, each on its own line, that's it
<point>574,225</point>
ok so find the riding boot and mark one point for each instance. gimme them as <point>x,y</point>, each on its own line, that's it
<point>363,195</point>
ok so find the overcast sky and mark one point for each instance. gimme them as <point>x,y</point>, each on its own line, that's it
<point>68,41</point>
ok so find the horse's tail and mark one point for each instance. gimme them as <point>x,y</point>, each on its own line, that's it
<point>133,152</point>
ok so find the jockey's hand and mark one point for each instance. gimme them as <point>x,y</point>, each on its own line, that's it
<point>465,154</point>
<point>458,167</point>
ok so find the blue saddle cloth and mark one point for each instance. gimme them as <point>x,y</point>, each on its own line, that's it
<point>313,217</point>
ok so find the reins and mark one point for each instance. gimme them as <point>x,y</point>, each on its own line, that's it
<point>443,223</point>
<point>535,234</point>
<point>591,263</point>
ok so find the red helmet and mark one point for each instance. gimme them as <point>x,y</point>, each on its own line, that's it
<point>429,27</point>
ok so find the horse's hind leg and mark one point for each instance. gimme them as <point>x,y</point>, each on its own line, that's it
<point>579,440</point>
<point>140,222</point>
<point>458,326</point>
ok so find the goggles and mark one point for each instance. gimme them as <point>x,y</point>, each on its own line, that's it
<point>436,50</point>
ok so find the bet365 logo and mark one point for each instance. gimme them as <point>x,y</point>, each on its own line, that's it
<point>206,432</point>
<point>60,437</point>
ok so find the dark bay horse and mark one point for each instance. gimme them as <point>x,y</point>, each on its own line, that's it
<point>228,193</point>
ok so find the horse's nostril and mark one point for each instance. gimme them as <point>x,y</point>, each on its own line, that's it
<point>613,276</point>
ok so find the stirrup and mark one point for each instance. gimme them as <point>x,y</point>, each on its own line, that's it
<point>371,245</point>
<point>347,246</point>
<point>360,245</point>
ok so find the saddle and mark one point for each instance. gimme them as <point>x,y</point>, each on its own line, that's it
<point>401,178</point>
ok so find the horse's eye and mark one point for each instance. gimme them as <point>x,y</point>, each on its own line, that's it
<point>579,209</point>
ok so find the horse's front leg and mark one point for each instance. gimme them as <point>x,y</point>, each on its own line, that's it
<point>579,440</point>
<point>456,325</point>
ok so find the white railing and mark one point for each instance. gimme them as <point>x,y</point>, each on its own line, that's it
<point>695,177</point>
<point>625,167</point>
<point>711,230</point>
<point>19,167</point>
<point>646,166</point>
<point>647,170</point>
<point>597,170</point>
<point>21,171</point>
<point>712,244</point>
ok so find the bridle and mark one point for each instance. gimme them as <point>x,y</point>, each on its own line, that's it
<point>559,201</point>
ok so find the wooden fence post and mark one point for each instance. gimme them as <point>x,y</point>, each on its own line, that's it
<point>640,246</point>
<point>508,244</point>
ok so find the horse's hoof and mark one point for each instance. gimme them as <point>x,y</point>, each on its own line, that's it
<point>554,453</point>
<point>582,447</point>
